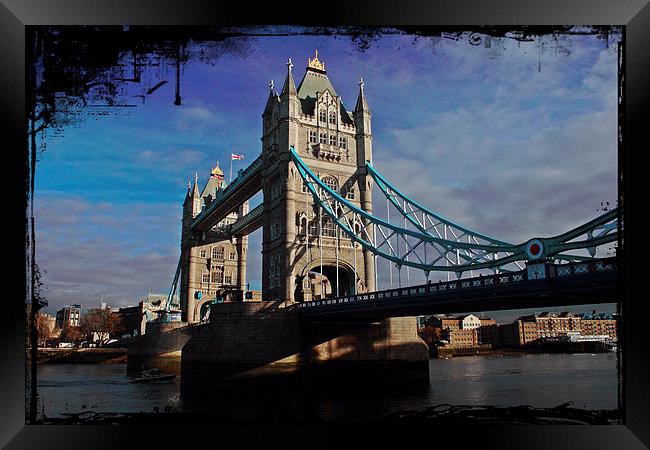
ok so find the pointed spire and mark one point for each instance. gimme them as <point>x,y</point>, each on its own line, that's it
<point>272,100</point>
<point>195,191</point>
<point>362,103</point>
<point>289,87</point>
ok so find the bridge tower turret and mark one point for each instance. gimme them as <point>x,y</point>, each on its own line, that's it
<point>362,120</point>
<point>304,256</point>
<point>191,207</point>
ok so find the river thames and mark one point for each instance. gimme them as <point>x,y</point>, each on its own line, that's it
<point>589,381</point>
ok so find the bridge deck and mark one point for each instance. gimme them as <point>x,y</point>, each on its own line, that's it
<point>570,284</point>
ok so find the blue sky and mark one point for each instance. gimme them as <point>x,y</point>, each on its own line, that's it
<point>512,139</point>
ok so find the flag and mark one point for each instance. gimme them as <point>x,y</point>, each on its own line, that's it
<point>236,157</point>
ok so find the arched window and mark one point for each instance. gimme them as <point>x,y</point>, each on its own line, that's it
<point>233,255</point>
<point>217,252</point>
<point>331,183</point>
<point>332,116</point>
<point>303,225</point>
<point>322,115</point>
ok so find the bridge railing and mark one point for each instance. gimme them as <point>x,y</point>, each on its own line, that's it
<point>254,214</point>
<point>577,269</point>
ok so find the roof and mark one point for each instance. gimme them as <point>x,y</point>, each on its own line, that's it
<point>598,316</point>
<point>464,316</point>
<point>216,179</point>
<point>211,187</point>
<point>312,83</point>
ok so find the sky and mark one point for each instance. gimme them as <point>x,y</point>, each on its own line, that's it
<point>512,139</point>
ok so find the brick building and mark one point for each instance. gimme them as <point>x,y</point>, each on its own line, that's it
<point>488,332</point>
<point>599,324</point>
<point>551,324</point>
<point>461,338</point>
<point>467,330</point>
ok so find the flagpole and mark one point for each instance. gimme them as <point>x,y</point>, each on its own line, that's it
<point>230,181</point>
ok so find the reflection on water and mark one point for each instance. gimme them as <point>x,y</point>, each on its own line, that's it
<point>588,380</point>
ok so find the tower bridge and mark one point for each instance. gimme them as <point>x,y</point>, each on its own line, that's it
<point>322,244</point>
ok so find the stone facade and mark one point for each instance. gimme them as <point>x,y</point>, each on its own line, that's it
<point>301,245</point>
<point>243,336</point>
<point>212,264</point>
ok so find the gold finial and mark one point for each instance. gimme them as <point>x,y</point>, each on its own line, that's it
<point>315,63</point>
<point>217,172</point>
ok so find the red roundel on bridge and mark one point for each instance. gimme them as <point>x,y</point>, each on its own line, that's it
<point>534,249</point>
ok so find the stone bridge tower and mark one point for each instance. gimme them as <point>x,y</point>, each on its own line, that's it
<point>304,255</point>
<point>213,264</point>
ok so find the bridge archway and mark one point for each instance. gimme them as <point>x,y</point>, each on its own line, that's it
<point>202,307</point>
<point>310,285</point>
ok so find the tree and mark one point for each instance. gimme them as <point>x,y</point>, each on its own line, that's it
<point>71,334</point>
<point>116,325</point>
<point>44,327</point>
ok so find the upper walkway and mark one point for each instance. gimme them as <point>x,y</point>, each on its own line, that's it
<point>247,184</point>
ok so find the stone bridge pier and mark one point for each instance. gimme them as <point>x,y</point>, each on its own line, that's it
<point>259,342</point>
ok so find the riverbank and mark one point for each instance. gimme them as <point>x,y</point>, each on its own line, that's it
<point>448,352</point>
<point>80,355</point>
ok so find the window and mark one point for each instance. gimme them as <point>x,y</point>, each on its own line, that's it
<point>217,275</point>
<point>233,255</point>
<point>332,139</point>
<point>343,142</point>
<point>313,227</point>
<point>275,190</point>
<point>323,138</point>
<point>350,193</point>
<point>217,252</point>
<point>322,116</point>
<point>203,253</point>
<point>205,277</point>
<point>303,225</point>
<point>228,278</point>
<point>331,183</point>
<point>304,186</point>
<point>332,117</point>
<point>313,137</point>
<point>276,228</point>
<point>328,227</point>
